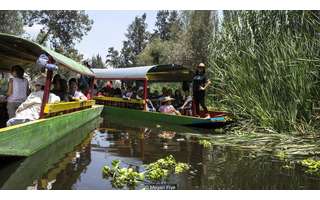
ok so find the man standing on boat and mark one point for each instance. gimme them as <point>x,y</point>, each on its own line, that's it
<point>199,86</point>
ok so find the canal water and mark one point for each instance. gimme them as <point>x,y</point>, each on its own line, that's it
<point>76,161</point>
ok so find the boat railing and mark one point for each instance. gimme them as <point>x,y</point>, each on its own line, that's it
<point>54,109</point>
<point>120,102</point>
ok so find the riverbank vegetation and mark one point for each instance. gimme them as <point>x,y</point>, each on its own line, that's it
<point>264,65</point>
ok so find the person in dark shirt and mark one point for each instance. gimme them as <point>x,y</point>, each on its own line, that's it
<point>199,86</point>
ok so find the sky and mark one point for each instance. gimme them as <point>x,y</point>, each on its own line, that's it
<point>108,30</point>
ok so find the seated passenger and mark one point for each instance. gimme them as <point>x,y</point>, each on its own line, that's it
<point>178,98</point>
<point>139,94</point>
<point>128,94</point>
<point>167,108</point>
<point>117,93</point>
<point>187,105</point>
<point>107,90</point>
<point>74,93</point>
<point>60,88</point>
<point>29,110</point>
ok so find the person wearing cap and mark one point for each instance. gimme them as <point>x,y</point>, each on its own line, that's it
<point>166,106</point>
<point>199,86</point>
<point>29,110</point>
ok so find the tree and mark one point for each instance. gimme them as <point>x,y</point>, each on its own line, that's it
<point>175,25</point>
<point>162,25</point>
<point>200,32</point>
<point>97,62</point>
<point>11,22</point>
<point>62,27</point>
<point>156,52</point>
<point>113,58</point>
<point>168,25</point>
<point>137,39</point>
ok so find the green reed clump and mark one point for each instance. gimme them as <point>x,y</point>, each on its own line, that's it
<point>265,66</point>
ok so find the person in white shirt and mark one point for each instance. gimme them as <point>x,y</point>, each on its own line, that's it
<point>29,110</point>
<point>74,93</point>
<point>17,92</point>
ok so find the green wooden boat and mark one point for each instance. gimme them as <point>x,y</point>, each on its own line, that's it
<point>21,173</point>
<point>136,109</point>
<point>26,139</point>
<point>164,119</point>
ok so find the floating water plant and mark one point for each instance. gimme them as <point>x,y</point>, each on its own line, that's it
<point>154,172</point>
<point>122,176</point>
<point>313,166</point>
<point>205,143</point>
<point>164,167</point>
<point>281,155</point>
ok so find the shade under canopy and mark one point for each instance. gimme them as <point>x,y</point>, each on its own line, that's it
<point>168,73</point>
<point>15,50</point>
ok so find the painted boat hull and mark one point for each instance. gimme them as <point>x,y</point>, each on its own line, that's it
<point>160,118</point>
<point>22,173</point>
<point>26,139</point>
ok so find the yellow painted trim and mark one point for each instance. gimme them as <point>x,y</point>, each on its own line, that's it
<point>120,100</point>
<point>64,106</point>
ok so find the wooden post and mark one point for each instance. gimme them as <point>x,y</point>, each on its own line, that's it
<point>145,84</point>
<point>46,92</point>
<point>91,87</point>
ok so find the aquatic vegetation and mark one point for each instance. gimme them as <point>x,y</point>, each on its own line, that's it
<point>154,172</point>
<point>162,168</point>
<point>205,143</point>
<point>313,166</point>
<point>281,155</point>
<point>122,176</point>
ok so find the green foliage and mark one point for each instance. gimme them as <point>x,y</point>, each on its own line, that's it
<point>62,27</point>
<point>168,25</point>
<point>113,58</point>
<point>156,52</point>
<point>313,166</point>
<point>137,38</point>
<point>199,33</point>
<point>96,61</point>
<point>162,168</point>
<point>155,172</point>
<point>281,155</point>
<point>11,22</point>
<point>265,66</point>
<point>122,176</point>
<point>205,143</point>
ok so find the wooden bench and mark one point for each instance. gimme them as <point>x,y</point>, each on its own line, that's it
<point>54,109</point>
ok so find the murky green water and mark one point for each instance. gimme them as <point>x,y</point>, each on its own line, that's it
<point>76,161</point>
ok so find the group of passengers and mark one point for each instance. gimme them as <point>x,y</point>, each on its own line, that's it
<point>24,105</point>
<point>176,103</point>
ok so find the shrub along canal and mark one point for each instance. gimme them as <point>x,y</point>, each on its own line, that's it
<point>217,161</point>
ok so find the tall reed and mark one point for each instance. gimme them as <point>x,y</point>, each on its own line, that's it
<point>265,66</point>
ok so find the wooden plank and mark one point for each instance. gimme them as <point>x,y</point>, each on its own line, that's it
<point>66,106</point>
<point>119,100</point>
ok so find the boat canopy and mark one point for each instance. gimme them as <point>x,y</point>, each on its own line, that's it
<point>165,73</point>
<point>15,50</point>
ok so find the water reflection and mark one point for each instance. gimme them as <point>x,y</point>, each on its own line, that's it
<point>220,167</point>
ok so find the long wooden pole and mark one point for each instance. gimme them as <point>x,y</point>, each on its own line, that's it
<point>46,92</point>
<point>145,84</point>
